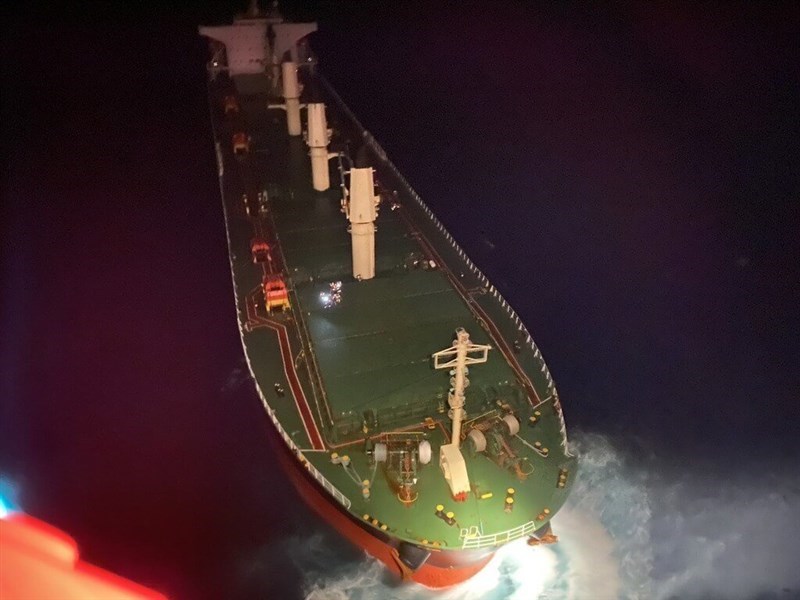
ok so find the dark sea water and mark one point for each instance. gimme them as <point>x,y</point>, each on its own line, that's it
<point>626,176</point>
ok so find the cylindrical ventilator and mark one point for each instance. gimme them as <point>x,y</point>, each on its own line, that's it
<point>318,145</point>
<point>362,214</point>
<point>291,95</point>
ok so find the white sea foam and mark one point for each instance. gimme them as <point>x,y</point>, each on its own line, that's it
<point>626,532</point>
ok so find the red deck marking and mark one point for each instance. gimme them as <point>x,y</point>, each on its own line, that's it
<point>254,320</point>
<point>303,409</point>
<point>301,402</point>
<point>263,230</point>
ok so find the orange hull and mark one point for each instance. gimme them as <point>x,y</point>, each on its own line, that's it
<point>443,569</point>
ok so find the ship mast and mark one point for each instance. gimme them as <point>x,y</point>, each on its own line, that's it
<point>457,357</point>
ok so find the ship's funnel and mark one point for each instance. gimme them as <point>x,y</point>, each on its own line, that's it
<point>318,137</point>
<point>362,212</point>
<point>291,95</point>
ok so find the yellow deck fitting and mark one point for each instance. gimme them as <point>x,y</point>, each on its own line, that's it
<point>486,495</point>
<point>562,478</point>
<point>376,523</point>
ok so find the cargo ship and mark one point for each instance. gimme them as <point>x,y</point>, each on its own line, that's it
<point>407,401</point>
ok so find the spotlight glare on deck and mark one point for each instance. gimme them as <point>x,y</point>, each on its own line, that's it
<point>333,296</point>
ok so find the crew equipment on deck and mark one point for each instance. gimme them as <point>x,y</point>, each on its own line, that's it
<point>276,295</point>
<point>259,249</point>
<point>231,105</point>
<point>241,143</point>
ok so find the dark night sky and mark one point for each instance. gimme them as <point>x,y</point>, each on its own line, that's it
<point>628,178</point>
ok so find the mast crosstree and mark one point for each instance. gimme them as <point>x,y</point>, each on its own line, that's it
<point>457,358</point>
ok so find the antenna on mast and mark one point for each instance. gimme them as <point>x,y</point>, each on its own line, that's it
<point>457,358</point>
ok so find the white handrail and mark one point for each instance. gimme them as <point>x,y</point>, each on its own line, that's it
<point>341,498</point>
<point>495,539</point>
<point>332,489</point>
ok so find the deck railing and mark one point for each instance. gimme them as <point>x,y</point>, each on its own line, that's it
<point>242,318</point>
<point>485,541</point>
<point>332,489</point>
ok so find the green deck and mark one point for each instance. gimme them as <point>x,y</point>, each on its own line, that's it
<point>373,349</point>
